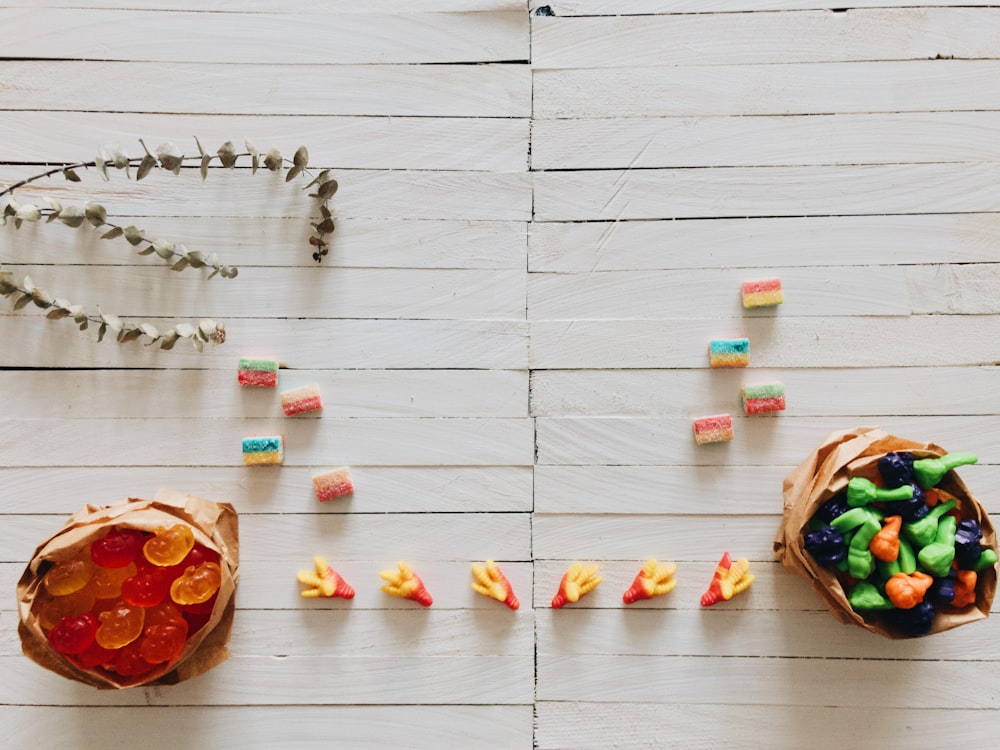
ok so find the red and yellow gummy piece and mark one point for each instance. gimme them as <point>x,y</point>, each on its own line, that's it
<point>490,581</point>
<point>405,584</point>
<point>325,582</point>
<point>730,578</point>
<point>655,579</point>
<point>578,581</point>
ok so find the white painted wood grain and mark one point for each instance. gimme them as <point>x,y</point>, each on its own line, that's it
<point>820,291</point>
<point>364,194</point>
<point>840,392</point>
<point>705,538</point>
<point>75,34</point>
<point>649,490</point>
<point>332,7</point>
<point>303,344</point>
<point>386,680</point>
<point>594,726</point>
<point>265,727</point>
<point>490,90</point>
<point>795,88</point>
<point>649,7</point>
<point>382,539</point>
<point>319,292</point>
<point>378,489</point>
<point>358,243</point>
<point>722,632</point>
<point>744,243</point>
<point>758,440</point>
<point>749,38</point>
<point>919,341</point>
<point>764,191</point>
<point>644,142</point>
<point>789,682</point>
<point>308,442</point>
<point>214,393</point>
<point>461,143</point>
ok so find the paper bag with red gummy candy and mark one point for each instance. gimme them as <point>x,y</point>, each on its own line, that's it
<point>214,526</point>
<point>824,473</point>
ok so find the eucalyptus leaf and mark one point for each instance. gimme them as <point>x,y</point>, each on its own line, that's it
<point>147,163</point>
<point>72,216</point>
<point>203,169</point>
<point>293,173</point>
<point>148,250</point>
<point>149,330</point>
<point>180,265</point>
<point>96,214</point>
<point>28,212</point>
<point>301,157</point>
<point>328,189</point>
<point>326,226</point>
<point>130,334</point>
<point>201,150</point>
<point>23,301</point>
<point>101,330</point>
<point>168,340</point>
<point>185,329</point>
<point>321,177</point>
<point>101,166</point>
<point>163,248</point>
<point>227,154</point>
<point>134,235</point>
<point>272,160</point>
<point>113,233</point>
<point>170,157</point>
<point>57,313</point>
<point>70,175</point>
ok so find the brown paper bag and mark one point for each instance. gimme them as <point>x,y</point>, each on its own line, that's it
<point>214,525</point>
<point>825,473</point>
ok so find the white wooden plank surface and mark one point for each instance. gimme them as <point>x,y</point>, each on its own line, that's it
<point>741,39</point>
<point>786,241</point>
<point>475,727</point>
<point>258,38</point>
<point>510,335</point>
<point>795,88</point>
<point>647,7</point>
<point>421,90</point>
<point>644,142</point>
<point>764,191</point>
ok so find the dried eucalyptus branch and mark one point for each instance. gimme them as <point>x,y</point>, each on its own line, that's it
<point>167,157</point>
<point>207,331</point>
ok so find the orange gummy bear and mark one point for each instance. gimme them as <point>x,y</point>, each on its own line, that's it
<point>53,610</point>
<point>69,576</point>
<point>107,582</point>
<point>169,546</point>
<point>196,585</point>
<point>120,625</point>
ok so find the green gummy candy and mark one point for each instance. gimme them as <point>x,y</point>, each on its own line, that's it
<point>986,560</point>
<point>865,596</point>
<point>860,561</point>
<point>861,491</point>
<point>887,570</point>
<point>922,532</point>
<point>907,560</point>
<point>937,557</point>
<point>850,520</point>
<point>929,471</point>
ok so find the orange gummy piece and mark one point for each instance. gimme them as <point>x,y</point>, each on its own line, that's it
<point>906,592</point>
<point>169,546</point>
<point>120,625</point>
<point>71,605</point>
<point>196,585</point>
<point>164,642</point>
<point>69,575</point>
<point>885,544</point>
<point>107,582</point>
<point>965,588</point>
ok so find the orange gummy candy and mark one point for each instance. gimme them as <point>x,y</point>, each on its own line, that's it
<point>107,582</point>
<point>197,585</point>
<point>69,576</point>
<point>120,625</point>
<point>169,546</point>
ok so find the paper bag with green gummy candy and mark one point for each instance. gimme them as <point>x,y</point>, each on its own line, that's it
<point>823,474</point>
<point>214,527</point>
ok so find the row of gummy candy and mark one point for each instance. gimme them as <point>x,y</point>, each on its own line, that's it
<point>654,579</point>
<point>129,601</point>
<point>899,547</point>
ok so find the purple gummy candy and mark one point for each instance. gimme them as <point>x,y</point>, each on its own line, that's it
<point>915,508</point>
<point>942,590</point>
<point>826,545</point>
<point>967,549</point>
<point>916,621</point>
<point>835,506</point>
<point>896,469</point>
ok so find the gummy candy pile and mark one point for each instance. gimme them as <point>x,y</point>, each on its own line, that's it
<point>900,545</point>
<point>127,603</point>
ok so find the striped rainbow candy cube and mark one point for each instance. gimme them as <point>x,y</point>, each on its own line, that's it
<point>729,352</point>
<point>763,293</point>
<point>261,451</point>
<point>333,484</point>
<point>760,399</point>
<point>717,428</point>
<point>258,372</point>
<point>301,400</point>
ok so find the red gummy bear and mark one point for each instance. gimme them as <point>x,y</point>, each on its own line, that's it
<point>117,549</point>
<point>164,642</point>
<point>73,635</point>
<point>129,662</point>
<point>147,588</point>
<point>95,655</point>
